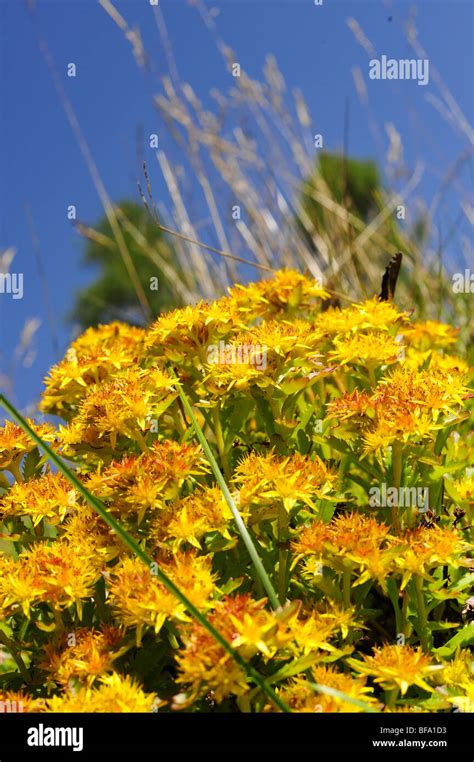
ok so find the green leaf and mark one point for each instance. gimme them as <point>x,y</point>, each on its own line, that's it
<point>31,463</point>
<point>464,637</point>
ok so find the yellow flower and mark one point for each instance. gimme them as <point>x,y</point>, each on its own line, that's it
<point>465,488</point>
<point>301,697</point>
<point>19,701</point>
<point>266,480</point>
<point>408,402</point>
<point>435,360</point>
<point>56,574</point>
<point>91,536</point>
<point>138,483</point>
<point>121,406</point>
<point>274,353</point>
<point>82,655</point>
<point>140,600</point>
<point>185,333</point>
<point>429,335</point>
<point>15,443</point>
<point>95,356</point>
<point>371,315</point>
<point>459,672</point>
<point>313,629</point>
<point>48,497</point>
<point>191,518</point>
<point>286,293</point>
<point>419,550</point>
<point>365,349</point>
<point>349,542</point>
<point>116,693</point>
<point>204,666</point>
<point>394,666</point>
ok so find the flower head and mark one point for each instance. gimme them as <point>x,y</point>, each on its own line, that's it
<point>116,693</point>
<point>395,666</point>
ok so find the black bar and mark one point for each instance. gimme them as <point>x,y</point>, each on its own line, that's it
<point>426,735</point>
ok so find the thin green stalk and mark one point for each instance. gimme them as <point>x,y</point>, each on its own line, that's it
<point>422,618</point>
<point>16,656</point>
<point>371,374</point>
<point>282,553</point>
<point>397,478</point>
<point>140,553</point>
<point>220,442</point>
<point>259,567</point>
<point>391,697</point>
<point>346,588</point>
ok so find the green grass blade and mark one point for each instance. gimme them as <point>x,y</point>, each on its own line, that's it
<point>98,506</point>
<point>257,562</point>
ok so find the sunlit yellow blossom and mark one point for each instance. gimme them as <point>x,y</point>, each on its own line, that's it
<point>116,693</point>
<point>408,402</point>
<point>371,315</point>
<point>95,356</point>
<point>141,600</point>
<point>465,488</point>
<point>82,655</point>
<point>91,536</point>
<point>395,666</point>
<point>189,519</point>
<point>121,406</point>
<point>437,361</point>
<point>286,293</point>
<point>187,332</point>
<point>204,666</point>
<point>302,697</point>
<point>365,349</point>
<point>15,443</point>
<point>313,629</point>
<point>55,574</point>
<point>459,672</point>
<point>266,480</point>
<point>48,497</point>
<point>147,481</point>
<point>419,550</point>
<point>276,353</point>
<point>350,542</point>
<point>429,335</point>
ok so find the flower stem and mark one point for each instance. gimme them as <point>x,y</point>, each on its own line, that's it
<point>397,479</point>
<point>282,553</point>
<point>346,588</point>
<point>220,443</point>
<point>244,533</point>
<point>422,618</point>
<point>16,656</point>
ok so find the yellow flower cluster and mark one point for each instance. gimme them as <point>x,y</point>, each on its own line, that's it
<point>305,410</point>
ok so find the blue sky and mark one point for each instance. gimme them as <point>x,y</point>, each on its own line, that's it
<point>41,164</point>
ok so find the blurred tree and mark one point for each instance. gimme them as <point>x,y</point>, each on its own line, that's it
<point>112,295</point>
<point>355,187</point>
